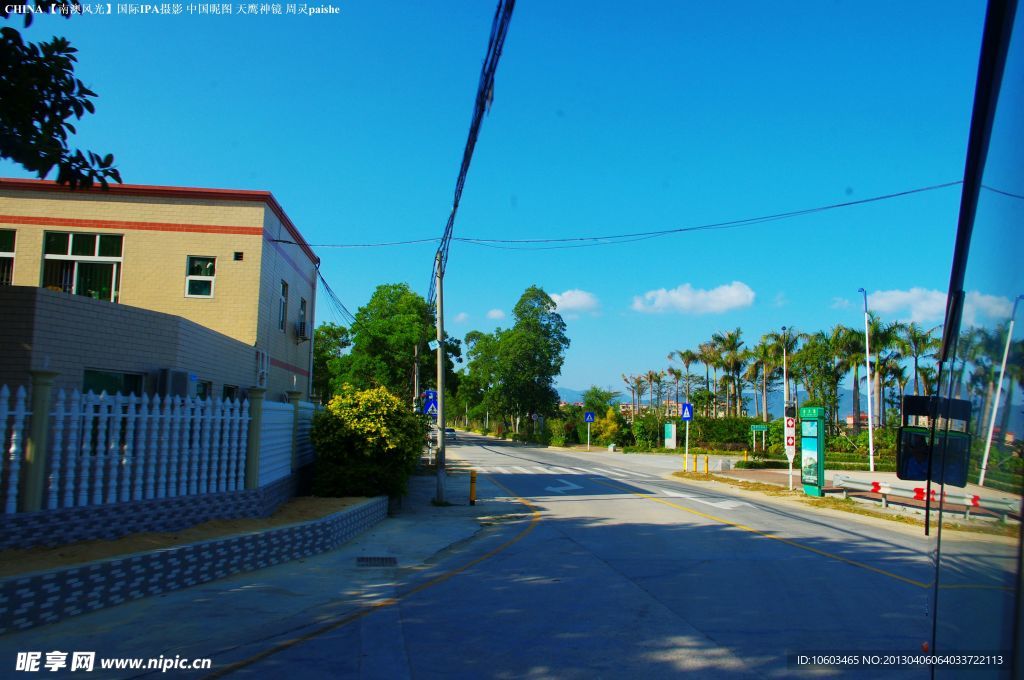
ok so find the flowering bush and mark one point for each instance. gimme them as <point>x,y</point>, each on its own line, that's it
<point>367,444</point>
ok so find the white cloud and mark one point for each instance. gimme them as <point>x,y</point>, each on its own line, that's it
<point>575,301</point>
<point>461,317</point>
<point>496,314</point>
<point>689,300</point>
<point>840,303</point>
<point>780,300</point>
<point>991,306</point>
<point>922,306</point>
<point>917,304</point>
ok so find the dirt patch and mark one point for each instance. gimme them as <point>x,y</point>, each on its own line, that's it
<point>13,562</point>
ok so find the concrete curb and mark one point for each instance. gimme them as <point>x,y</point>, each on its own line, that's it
<point>40,598</point>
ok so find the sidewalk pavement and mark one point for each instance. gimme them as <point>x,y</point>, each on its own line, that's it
<point>239,616</point>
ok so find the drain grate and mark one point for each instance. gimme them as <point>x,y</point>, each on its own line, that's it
<point>376,562</point>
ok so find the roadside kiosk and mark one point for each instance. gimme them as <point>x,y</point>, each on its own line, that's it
<point>812,450</point>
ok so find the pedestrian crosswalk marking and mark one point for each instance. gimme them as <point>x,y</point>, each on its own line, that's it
<point>556,470</point>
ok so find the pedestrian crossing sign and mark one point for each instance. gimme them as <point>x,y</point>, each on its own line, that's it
<point>687,412</point>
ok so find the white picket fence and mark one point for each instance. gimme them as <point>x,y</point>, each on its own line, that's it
<point>13,425</point>
<point>106,449</point>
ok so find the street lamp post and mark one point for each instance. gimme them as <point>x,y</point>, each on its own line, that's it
<point>867,361</point>
<point>999,389</point>
<point>785,375</point>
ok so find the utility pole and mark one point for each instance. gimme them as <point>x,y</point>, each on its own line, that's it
<point>415,376</point>
<point>440,380</point>
<point>867,362</point>
<point>999,389</point>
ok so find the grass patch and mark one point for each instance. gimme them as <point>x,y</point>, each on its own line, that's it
<point>761,487</point>
<point>852,506</point>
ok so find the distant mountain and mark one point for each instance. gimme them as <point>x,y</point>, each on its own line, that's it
<point>569,395</point>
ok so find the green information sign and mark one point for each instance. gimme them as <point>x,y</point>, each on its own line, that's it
<point>758,428</point>
<point>812,449</point>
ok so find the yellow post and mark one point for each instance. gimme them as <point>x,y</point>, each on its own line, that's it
<point>686,464</point>
<point>744,456</point>
<point>695,463</point>
<point>472,487</point>
<point>705,463</point>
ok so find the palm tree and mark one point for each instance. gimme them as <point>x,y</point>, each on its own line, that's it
<point>686,357</point>
<point>753,375</point>
<point>730,346</point>
<point>677,377</point>
<point>709,357</point>
<point>883,338</point>
<point>788,340</point>
<point>916,342</point>
<point>851,343</point>
<point>763,353</point>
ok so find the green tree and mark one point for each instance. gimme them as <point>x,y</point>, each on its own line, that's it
<point>530,356</point>
<point>40,95</point>
<point>385,336</point>
<point>599,400</point>
<point>915,341</point>
<point>329,343</point>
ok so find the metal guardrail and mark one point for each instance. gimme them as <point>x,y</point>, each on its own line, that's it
<point>1002,506</point>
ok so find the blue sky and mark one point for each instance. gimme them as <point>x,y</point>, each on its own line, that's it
<point>608,118</point>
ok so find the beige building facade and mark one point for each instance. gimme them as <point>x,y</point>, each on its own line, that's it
<point>229,261</point>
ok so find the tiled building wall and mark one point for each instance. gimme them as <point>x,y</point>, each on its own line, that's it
<point>159,234</point>
<point>47,597</point>
<point>68,334</point>
<point>290,356</point>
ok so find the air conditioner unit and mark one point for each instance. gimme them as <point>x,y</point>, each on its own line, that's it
<point>301,330</point>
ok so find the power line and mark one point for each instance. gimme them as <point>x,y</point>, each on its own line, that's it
<point>1004,193</point>
<point>615,239</point>
<point>484,96</point>
<point>584,241</point>
<point>332,297</point>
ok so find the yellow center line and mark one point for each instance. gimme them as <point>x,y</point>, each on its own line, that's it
<point>758,532</point>
<point>389,602</point>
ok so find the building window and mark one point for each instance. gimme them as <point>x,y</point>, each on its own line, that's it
<point>83,264</point>
<point>303,331</point>
<point>199,274</point>
<point>6,257</point>
<point>112,382</point>
<point>282,308</point>
<point>231,392</point>
<point>204,389</point>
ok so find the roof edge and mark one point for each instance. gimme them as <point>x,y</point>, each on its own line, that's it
<point>247,195</point>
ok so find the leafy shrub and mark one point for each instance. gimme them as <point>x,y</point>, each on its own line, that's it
<point>647,431</point>
<point>367,444</point>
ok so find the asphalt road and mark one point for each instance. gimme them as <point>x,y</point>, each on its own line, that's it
<point>617,572</point>
<point>579,566</point>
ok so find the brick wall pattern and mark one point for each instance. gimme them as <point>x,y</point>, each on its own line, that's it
<point>47,597</point>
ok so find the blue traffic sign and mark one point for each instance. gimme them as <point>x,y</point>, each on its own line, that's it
<point>588,417</point>
<point>687,412</point>
<point>430,403</point>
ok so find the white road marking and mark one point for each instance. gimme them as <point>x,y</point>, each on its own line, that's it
<point>544,471</point>
<point>562,470</point>
<point>721,505</point>
<point>633,472</point>
<point>566,486</point>
<point>501,470</point>
<point>609,472</point>
<point>521,469</point>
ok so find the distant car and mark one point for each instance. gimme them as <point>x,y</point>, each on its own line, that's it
<point>449,434</point>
